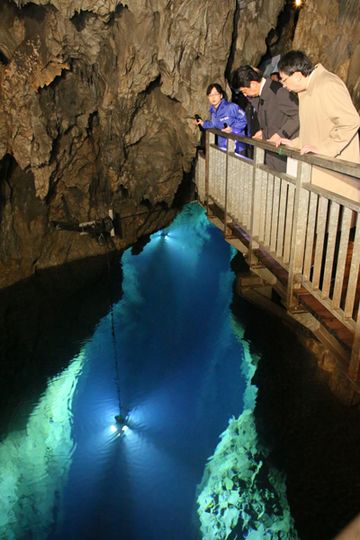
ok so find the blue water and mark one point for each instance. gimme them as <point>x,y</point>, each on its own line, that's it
<point>167,353</point>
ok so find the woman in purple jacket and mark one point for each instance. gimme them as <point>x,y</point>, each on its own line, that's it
<point>225,116</point>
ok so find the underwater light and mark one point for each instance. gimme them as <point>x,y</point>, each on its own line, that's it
<point>113,429</point>
<point>125,428</point>
<point>164,234</point>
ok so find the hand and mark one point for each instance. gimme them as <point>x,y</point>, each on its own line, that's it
<point>275,139</point>
<point>286,142</point>
<point>227,129</point>
<point>307,148</point>
<point>258,135</point>
<point>198,122</point>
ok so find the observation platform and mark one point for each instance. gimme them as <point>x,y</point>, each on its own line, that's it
<point>301,241</point>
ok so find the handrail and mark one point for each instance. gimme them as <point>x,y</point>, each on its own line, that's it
<point>333,164</point>
<point>313,233</point>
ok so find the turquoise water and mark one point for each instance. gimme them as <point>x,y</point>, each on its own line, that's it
<point>171,355</point>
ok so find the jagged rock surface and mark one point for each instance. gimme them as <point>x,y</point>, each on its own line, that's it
<point>256,19</point>
<point>329,31</point>
<point>95,108</point>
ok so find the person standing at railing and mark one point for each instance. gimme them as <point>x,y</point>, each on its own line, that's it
<point>329,122</point>
<point>225,116</point>
<point>277,110</point>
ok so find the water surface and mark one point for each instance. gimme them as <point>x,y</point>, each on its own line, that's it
<point>167,354</point>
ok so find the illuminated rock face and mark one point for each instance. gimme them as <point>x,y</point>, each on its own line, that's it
<point>330,33</point>
<point>95,112</point>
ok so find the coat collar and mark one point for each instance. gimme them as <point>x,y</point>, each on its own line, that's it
<point>313,77</point>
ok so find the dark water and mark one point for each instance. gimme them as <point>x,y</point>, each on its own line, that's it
<point>167,352</point>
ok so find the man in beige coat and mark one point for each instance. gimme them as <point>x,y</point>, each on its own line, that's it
<point>329,122</point>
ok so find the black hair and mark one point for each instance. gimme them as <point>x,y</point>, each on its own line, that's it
<point>217,87</point>
<point>294,61</point>
<point>243,76</point>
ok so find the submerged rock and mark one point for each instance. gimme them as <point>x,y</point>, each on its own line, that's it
<point>241,493</point>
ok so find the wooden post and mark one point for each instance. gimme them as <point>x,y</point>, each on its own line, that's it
<point>207,168</point>
<point>259,157</point>
<point>355,353</point>
<point>226,185</point>
<point>298,233</point>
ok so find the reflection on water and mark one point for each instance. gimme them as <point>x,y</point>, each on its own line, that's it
<point>35,461</point>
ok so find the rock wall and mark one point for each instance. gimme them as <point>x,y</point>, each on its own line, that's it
<point>95,112</point>
<point>256,19</point>
<point>329,32</point>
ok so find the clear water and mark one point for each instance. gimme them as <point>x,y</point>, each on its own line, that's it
<point>167,352</point>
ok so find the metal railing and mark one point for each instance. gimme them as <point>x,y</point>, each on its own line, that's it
<point>313,233</point>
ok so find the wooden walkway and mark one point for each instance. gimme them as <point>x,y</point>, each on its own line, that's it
<point>307,239</point>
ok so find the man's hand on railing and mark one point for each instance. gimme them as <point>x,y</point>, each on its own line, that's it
<point>309,148</point>
<point>258,135</point>
<point>275,139</point>
<point>286,142</point>
<point>227,129</point>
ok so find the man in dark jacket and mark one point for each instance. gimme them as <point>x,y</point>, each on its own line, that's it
<point>277,110</point>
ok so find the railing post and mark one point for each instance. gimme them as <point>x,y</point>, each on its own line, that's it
<point>354,366</point>
<point>298,234</point>
<point>228,143</point>
<point>207,169</point>
<point>259,157</point>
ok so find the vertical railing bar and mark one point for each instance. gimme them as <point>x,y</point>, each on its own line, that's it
<point>207,170</point>
<point>246,203</point>
<point>261,175</point>
<point>330,250</point>
<point>299,228</point>
<point>354,273</point>
<point>310,235</point>
<point>288,222</point>
<point>342,255</point>
<point>226,188</point>
<point>269,192</point>
<point>320,238</point>
<point>259,155</point>
<point>354,366</point>
<point>256,198</point>
<point>282,213</point>
<point>275,214</point>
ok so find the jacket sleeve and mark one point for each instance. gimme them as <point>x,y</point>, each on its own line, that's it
<point>237,120</point>
<point>289,106</point>
<point>345,119</point>
<point>208,124</point>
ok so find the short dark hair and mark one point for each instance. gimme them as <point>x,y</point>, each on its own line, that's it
<point>217,87</point>
<point>243,76</point>
<point>294,61</point>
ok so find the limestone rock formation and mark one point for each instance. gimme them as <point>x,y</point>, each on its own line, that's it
<point>329,31</point>
<point>255,19</point>
<point>95,113</point>
<point>96,101</point>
